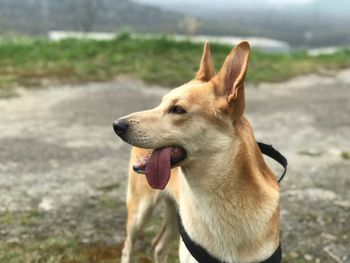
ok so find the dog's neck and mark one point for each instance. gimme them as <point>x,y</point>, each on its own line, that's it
<point>232,161</point>
<point>234,190</point>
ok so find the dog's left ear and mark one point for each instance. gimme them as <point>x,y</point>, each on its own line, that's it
<point>206,69</point>
<point>229,82</point>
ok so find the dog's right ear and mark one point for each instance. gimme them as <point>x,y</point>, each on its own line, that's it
<point>206,69</point>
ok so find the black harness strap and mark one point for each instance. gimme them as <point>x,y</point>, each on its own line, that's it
<point>200,253</point>
<point>197,251</point>
<point>203,256</point>
<point>274,154</point>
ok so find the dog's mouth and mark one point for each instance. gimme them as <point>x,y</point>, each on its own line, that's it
<point>157,166</point>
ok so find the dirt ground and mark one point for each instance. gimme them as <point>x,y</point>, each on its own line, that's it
<point>63,170</point>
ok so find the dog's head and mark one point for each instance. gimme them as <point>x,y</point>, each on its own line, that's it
<point>193,120</point>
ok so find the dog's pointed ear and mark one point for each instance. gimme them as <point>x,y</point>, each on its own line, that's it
<point>229,82</point>
<point>206,68</point>
<point>233,71</point>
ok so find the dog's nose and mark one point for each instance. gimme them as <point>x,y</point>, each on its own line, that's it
<point>120,126</point>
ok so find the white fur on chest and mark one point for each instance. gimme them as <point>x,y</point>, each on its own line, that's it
<point>215,223</point>
<point>206,226</point>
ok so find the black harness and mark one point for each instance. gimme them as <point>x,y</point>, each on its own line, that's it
<point>200,253</point>
<point>271,152</point>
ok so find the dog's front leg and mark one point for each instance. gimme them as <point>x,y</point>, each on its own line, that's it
<point>139,209</point>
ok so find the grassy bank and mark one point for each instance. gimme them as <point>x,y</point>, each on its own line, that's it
<point>161,61</point>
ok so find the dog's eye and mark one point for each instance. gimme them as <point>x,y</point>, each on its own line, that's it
<point>177,110</point>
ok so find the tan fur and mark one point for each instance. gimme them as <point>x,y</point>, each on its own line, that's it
<point>227,196</point>
<point>206,67</point>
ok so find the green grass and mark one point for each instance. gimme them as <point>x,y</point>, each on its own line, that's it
<point>63,245</point>
<point>57,250</point>
<point>346,155</point>
<point>19,218</point>
<point>65,250</point>
<point>26,62</point>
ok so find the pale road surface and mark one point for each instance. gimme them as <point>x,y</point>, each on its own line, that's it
<point>60,158</point>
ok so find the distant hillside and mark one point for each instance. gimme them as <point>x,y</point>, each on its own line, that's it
<point>300,23</point>
<point>39,16</point>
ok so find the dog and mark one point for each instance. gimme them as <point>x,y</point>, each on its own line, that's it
<point>199,147</point>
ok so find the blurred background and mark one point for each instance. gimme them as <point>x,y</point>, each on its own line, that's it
<point>301,23</point>
<point>68,68</point>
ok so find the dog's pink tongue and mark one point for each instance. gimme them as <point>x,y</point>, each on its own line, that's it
<point>158,168</point>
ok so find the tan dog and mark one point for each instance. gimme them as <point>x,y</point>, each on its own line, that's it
<point>227,196</point>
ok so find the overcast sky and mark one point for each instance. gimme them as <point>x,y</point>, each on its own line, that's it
<point>231,3</point>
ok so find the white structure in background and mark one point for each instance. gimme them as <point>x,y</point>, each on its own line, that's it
<point>314,52</point>
<point>59,35</point>
<point>264,44</point>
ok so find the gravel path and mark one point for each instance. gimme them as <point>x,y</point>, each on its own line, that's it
<point>63,171</point>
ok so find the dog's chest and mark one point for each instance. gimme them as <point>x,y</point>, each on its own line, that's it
<point>227,229</point>
<point>212,226</point>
